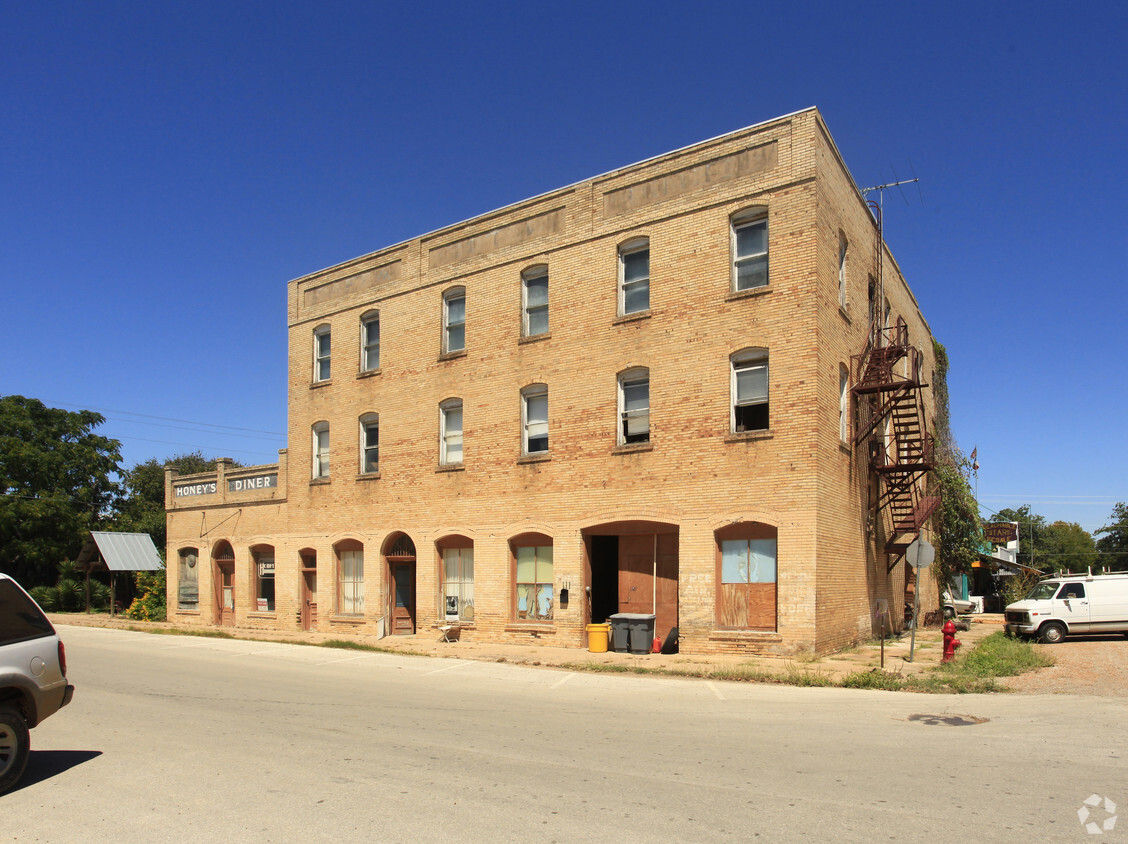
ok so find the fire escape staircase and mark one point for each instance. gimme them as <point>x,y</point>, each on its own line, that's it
<point>891,422</point>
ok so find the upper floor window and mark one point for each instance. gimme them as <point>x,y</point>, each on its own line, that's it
<point>843,402</point>
<point>321,450</point>
<point>634,276</point>
<point>534,301</point>
<point>750,390</point>
<point>321,351</point>
<point>454,320</point>
<point>634,406</point>
<point>450,432</point>
<point>534,413</point>
<point>842,247</point>
<point>369,444</point>
<point>750,249</point>
<point>370,342</point>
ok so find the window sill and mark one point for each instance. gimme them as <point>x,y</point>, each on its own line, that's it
<point>635,317</point>
<point>633,448</point>
<point>450,467</point>
<point>320,481</point>
<point>369,373</point>
<point>533,338</point>
<point>461,625</point>
<point>314,385</point>
<point>263,614</point>
<point>534,627</point>
<point>186,612</point>
<point>845,447</point>
<point>346,619</point>
<point>750,293</point>
<point>461,353</point>
<point>368,476</point>
<point>745,635</point>
<point>746,436</point>
<point>845,313</point>
<point>541,457</point>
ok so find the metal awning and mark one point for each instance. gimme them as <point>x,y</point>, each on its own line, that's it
<point>105,551</point>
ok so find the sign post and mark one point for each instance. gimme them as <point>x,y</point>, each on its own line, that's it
<point>920,555</point>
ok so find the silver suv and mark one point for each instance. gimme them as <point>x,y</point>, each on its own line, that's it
<point>33,676</point>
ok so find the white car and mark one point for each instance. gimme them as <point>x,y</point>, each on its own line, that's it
<point>956,606</point>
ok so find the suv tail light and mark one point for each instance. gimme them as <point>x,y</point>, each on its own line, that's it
<point>62,658</point>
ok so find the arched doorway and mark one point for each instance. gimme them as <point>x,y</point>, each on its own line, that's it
<point>223,576</point>
<point>400,556</point>
<point>632,567</point>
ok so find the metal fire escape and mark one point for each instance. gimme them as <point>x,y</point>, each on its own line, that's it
<point>891,422</point>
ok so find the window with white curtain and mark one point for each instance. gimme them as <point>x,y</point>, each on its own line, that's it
<point>458,583</point>
<point>350,579</point>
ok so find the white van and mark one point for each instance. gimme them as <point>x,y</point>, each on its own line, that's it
<point>1075,603</point>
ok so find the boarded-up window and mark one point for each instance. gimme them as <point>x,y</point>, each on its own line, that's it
<point>747,576</point>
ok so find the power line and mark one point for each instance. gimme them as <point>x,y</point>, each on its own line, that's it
<point>161,418</point>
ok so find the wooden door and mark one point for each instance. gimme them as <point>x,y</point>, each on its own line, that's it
<point>640,557</point>
<point>225,593</point>
<point>309,600</point>
<point>403,599</point>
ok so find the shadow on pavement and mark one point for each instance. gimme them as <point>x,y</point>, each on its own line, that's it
<point>44,764</point>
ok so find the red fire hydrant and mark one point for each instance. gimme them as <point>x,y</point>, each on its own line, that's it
<point>950,641</point>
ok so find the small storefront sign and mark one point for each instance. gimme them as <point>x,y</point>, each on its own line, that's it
<point>195,489</point>
<point>254,482</point>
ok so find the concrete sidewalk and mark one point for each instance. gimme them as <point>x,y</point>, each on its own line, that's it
<point>429,643</point>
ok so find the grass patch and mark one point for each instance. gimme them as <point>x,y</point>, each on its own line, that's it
<point>185,631</point>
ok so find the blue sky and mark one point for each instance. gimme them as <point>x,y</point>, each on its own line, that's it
<point>166,168</point>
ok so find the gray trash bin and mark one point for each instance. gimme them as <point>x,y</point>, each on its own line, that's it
<point>642,633</point>
<point>620,633</point>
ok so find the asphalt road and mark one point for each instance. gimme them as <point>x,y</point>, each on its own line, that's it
<point>190,739</point>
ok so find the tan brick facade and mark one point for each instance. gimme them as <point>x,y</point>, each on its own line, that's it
<point>613,513</point>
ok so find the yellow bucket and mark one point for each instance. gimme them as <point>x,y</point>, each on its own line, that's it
<point>597,638</point>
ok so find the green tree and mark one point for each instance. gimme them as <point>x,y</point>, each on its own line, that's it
<point>57,481</point>
<point>958,528</point>
<point>1114,544</point>
<point>142,508</point>
<point>1066,546</point>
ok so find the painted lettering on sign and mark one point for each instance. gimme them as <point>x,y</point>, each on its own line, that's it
<point>1001,532</point>
<point>195,489</point>
<point>257,482</point>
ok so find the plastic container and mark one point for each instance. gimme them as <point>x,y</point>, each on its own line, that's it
<point>597,638</point>
<point>642,633</point>
<point>620,633</point>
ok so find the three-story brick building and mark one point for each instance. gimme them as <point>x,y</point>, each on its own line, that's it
<point>632,394</point>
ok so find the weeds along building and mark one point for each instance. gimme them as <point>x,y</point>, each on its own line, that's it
<point>682,388</point>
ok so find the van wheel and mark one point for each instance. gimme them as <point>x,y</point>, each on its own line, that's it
<point>1052,633</point>
<point>14,746</point>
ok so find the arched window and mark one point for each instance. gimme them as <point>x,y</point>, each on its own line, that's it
<point>454,320</point>
<point>369,443</point>
<point>450,432</point>
<point>634,406</point>
<point>320,431</point>
<point>322,348</point>
<point>750,249</point>
<point>534,597</point>
<point>534,419</point>
<point>188,583</point>
<point>747,576</point>
<point>634,276</point>
<point>456,556</point>
<point>843,246</point>
<point>370,341</point>
<point>262,575</point>
<point>534,301</point>
<point>750,390</point>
